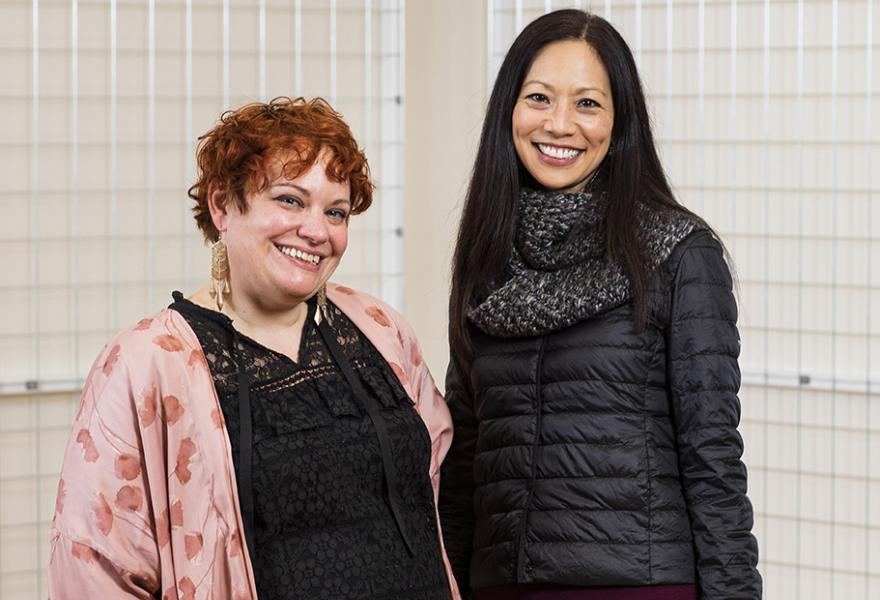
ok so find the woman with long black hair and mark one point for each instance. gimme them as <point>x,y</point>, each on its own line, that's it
<point>593,378</point>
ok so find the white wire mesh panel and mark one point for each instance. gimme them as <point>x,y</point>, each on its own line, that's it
<point>103,102</point>
<point>765,114</point>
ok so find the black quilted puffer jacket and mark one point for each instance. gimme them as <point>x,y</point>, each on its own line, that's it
<point>597,456</point>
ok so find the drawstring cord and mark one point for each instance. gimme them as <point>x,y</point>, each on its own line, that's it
<point>245,449</point>
<point>392,494</point>
<point>245,467</point>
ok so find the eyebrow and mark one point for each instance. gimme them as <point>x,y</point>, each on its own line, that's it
<point>576,92</point>
<point>307,193</point>
<point>287,184</point>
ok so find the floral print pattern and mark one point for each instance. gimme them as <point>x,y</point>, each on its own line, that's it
<point>147,501</point>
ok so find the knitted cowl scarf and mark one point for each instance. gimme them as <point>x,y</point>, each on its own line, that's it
<point>559,272</point>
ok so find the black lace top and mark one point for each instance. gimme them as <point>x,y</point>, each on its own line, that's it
<point>322,524</point>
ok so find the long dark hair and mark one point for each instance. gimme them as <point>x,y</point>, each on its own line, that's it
<point>632,170</point>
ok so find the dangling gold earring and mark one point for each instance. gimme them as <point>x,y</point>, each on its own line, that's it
<point>219,286</point>
<point>322,304</point>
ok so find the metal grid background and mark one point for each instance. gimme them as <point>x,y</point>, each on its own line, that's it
<point>765,114</point>
<point>103,101</point>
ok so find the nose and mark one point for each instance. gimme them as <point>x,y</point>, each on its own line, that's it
<point>559,121</point>
<point>313,228</point>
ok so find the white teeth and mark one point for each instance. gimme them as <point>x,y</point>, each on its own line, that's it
<point>309,258</point>
<point>556,152</point>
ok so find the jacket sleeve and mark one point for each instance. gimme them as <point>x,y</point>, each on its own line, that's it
<point>703,347</point>
<point>103,542</point>
<point>457,481</point>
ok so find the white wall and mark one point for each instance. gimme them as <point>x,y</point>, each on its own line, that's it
<point>446,95</point>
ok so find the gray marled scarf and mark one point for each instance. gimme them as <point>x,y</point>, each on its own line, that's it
<point>559,272</point>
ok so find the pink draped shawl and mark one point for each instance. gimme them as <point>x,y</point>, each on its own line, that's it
<point>147,504</point>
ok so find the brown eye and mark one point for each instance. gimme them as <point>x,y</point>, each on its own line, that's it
<point>337,215</point>
<point>287,199</point>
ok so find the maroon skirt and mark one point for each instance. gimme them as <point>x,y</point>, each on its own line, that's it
<point>563,592</point>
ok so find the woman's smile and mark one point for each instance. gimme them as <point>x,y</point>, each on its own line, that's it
<point>559,156</point>
<point>299,257</point>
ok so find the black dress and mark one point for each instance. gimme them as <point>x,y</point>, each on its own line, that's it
<point>322,524</point>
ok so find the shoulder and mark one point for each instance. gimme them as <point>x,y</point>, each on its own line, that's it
<point>165,330</point>
<point>699,239</point>
<point>663,230</point>
<point>385,327</point>
<point>367,311</point>
<point>162,338</point>
<point>145,371</point>
<point>698,252</point>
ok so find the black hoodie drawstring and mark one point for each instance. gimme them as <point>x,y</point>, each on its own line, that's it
<point>245,449</point>
<point>389,470</point>
<point>245,452</point>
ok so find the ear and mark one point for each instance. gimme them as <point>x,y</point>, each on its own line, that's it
<point>218,204</point>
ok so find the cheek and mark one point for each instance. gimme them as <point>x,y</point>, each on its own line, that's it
<point>597,132</point>
<point>236,241</point>
<point>340,241</point>
<point>520,131</point>
<point>606,127</point>
<point>260,221</point>
<point>523,122</point>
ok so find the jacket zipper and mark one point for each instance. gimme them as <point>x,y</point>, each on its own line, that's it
<point>536,444</point>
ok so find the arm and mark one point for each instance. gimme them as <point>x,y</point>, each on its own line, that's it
<point>704,378</point>
<point>457,489</point>
<point>103,536</point>
<point>432,409</point>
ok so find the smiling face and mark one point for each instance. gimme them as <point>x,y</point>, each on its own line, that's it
<point>289,241</point>
<point>564,115</point>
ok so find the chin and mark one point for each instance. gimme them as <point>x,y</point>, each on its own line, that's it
<point>303,292</point>
<point>298,291</point>
<point>557,186</point>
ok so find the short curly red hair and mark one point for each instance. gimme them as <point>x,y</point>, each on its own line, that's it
<point>236,156</point>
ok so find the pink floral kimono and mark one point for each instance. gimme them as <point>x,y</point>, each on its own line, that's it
<point>147,504</point>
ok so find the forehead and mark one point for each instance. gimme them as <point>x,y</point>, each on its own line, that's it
<point>568,63</point>
<point>287,168</point>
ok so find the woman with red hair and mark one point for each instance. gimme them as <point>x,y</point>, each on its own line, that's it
<point>271,434</point>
